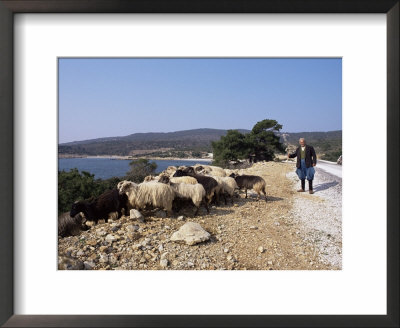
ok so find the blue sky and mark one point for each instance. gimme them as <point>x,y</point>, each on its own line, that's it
<point>117,97</point>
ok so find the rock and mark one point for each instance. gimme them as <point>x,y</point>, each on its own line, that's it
<point>164,255</point>
<point>164,263</point>
<point>89,265</point>
<point>181,218</point>
<point>112,259</point>
<point>190,264</point>
<point>79,253</point>
<point>160,214</point>
<point>109,250</point>
<point>103,258</point>
<point>66,263</point>
<point>191,233</point>
<point>110,238</point>
<point>253,228</point>
<point>133,235</point>
<point>270,263</point>
<point>101,233</point>
<point>135,214</point>
<point>261,249</point>
<point>132,228</point>
<point>226,250</point>
<point>92,242</point>
<point>160,248</point>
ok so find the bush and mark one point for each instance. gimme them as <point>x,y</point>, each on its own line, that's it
<point>140,168</point>
<point>332,156</point>
<point>74,186</point>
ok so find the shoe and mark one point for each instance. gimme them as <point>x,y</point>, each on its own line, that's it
<point>310,187</point>
<point>303,186</point>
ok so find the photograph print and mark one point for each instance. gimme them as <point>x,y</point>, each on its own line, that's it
<point>199,164</point>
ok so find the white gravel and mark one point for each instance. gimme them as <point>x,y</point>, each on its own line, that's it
<point>320,215</point>
<point>330,167</point>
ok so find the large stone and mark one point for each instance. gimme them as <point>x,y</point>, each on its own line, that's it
<point>190,233</point>
<point>135,214</point>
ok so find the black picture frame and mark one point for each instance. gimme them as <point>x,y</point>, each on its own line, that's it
<point>10,7</point>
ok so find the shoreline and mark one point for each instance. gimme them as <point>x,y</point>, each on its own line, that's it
<point>117,157</point>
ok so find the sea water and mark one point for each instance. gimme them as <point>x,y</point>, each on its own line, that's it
<point>105,168</point>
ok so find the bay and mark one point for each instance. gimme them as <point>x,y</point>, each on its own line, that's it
<point>105,168</point>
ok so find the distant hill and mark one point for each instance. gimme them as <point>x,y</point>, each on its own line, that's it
<point>186,143</point>
<point>153,143</point>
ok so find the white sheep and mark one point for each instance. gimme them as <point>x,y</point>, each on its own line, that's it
<point>151,178</point>
<point>225,185</point>
<point>229,186</point>
<point>195,192</point>
<point>210,169</point>
<point>188,180</point>
<point>153,193</point>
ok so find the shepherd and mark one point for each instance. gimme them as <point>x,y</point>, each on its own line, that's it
<point>306,160</point>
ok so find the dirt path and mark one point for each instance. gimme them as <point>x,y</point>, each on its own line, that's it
<point>250,235</point>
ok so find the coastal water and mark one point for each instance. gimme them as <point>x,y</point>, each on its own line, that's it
<point>105,168</point>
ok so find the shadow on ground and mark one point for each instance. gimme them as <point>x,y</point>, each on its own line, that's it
<point>325,186</point>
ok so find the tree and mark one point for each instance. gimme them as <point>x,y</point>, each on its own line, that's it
<point>140,168</point>
<point>231,147</point>
<point>196,154</point>
<point>260,144</point>
<point>263,140</point>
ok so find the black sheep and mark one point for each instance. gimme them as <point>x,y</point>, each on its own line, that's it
<point>208,183</point>
<point>251,182</point>
<point>71,226</point>
<point>102,206</point>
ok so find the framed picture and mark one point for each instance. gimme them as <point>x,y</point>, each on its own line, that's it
<point>77,75</point>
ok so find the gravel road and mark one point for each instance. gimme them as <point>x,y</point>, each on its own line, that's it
<point>330,167</point>
<point>320,215</point>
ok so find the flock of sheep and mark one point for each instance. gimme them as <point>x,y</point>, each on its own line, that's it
<point>200,184</point>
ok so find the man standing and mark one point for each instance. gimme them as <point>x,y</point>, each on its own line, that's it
<point>306,160</point>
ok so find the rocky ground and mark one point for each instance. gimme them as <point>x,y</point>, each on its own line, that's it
<point>292,231</point>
